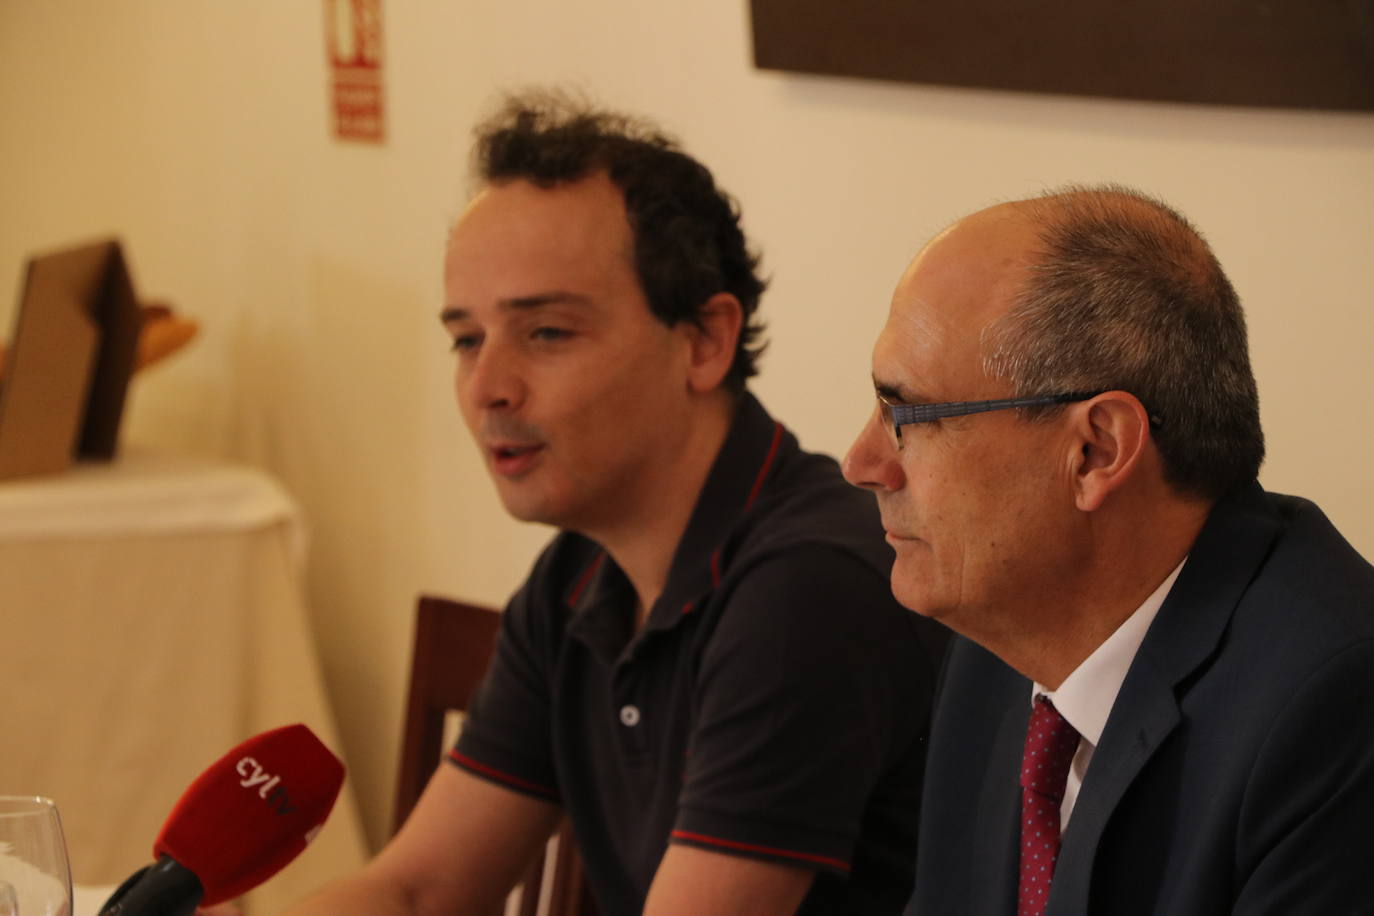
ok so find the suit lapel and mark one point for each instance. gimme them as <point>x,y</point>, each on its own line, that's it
<point>1183,638</point>
<point>1149,713</point>
<point>998,838</point>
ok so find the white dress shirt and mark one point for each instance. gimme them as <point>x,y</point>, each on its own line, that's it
<point>1086,697</point>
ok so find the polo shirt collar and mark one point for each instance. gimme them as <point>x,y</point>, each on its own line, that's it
<point>754,445</point>
<point>751,450</point>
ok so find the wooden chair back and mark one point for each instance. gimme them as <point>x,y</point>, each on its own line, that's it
<point>453,646</point>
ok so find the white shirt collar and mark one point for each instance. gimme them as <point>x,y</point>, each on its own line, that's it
<point>1085,698</point>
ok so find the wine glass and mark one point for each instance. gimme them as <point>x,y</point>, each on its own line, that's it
<point>34,877</point>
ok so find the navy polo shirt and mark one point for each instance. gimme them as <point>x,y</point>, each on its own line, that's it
<point>774,704</point>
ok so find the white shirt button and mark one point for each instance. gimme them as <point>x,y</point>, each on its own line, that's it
<point>629,716</point>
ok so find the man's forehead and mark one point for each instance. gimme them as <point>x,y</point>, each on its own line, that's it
<point>517,240</point>
<point>588,205</point>
<point>913,318</point>
<point>918,347</point>
<point>963,280</point>
<point>976,268</point>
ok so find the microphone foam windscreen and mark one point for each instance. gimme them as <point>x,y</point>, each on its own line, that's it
<point>252,811</point>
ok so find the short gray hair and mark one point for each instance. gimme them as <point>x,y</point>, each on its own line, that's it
<point>1125,294</point>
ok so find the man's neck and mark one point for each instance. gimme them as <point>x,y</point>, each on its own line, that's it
<point>644,544</point>
<point>1127,562</point>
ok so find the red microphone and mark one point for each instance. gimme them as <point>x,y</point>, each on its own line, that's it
<point>248,815</point>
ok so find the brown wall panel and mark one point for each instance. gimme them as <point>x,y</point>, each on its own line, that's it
<point>1290,53</point>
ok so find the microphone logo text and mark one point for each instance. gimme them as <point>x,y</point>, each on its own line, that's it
<point>269,787</point>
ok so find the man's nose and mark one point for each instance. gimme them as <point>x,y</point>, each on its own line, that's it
<point>493,379</point>
<point>873,461</point>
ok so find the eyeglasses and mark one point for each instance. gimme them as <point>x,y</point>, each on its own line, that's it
<point>895,414</point>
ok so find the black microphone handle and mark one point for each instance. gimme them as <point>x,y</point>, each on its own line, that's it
<point>165,888</point>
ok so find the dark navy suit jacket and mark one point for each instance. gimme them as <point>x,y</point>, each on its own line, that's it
<point>1236,770</point>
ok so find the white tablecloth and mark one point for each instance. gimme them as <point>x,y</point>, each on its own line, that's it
<point>151,617</point>
<point>87,900</point>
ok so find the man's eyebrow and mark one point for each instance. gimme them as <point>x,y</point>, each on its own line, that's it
<point>519,303</point>
<point>896,393</point>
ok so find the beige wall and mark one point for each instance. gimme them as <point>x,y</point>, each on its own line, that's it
<point>197,131</point>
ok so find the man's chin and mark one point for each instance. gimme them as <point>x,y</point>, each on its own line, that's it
<point>534,516</point>
<point>537,510</point>
<point>913,593</point>
<point>917,605</point>
<point>522,506</point>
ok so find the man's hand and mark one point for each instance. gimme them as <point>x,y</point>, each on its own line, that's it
<point>463,848</point>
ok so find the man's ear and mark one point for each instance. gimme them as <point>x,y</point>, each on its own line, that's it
<point>1113,432</point>
<point>713,339</point>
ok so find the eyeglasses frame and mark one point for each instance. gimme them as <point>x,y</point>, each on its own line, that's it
<point>899,414</point>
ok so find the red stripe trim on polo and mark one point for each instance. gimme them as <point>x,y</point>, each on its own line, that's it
<point>767,463</point>
<point>768,850</point>
<point>585,579</point>
<point>753,492</point>
<point>501,776</point>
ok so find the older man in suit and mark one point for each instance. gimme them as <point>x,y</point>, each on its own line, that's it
<point>1161,698</point>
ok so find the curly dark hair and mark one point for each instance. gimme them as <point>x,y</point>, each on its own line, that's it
<point>688,245</point>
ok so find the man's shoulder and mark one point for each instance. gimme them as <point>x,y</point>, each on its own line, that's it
<point>808,506</point>
<point>565,565</point>
<point>1270,596</point>
<point>1309,537</point>
<point>1312,577</point>
<point>808,534</point>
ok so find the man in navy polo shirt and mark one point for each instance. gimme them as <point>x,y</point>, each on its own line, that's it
<point>705,670</point>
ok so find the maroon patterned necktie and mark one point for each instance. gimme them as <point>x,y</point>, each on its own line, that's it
<point>1050,745</point>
